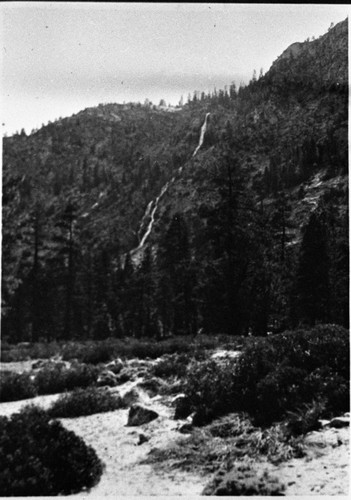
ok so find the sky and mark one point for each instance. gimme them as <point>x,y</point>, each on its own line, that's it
<point>59,58</point>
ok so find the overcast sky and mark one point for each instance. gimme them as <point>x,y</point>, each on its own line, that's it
<point>59,58</point>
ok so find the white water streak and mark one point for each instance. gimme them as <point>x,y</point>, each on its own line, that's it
<point>145,216</point>
<point>163,190</point>
<point>202,135</point>
<point>152,219</point>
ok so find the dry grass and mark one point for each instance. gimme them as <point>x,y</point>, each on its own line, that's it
<point>227,441</point>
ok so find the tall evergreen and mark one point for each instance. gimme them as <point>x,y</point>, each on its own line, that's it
<point>312,300</point>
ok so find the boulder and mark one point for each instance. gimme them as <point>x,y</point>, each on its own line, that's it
<point>125,375</point>
<point>339,422</point>
<point>115,366</point>
<point>130,397</point>
<point>38,364</point>
<point>185,428</point>
<point>151,386</point>
<point>139,415</point>
<point>182,407</point>
<point>143,439</point>
<point>107,378</point>
<point>175,398</point>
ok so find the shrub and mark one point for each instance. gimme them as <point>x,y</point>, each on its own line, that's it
<point>231,426</point>
<point>24,351</point>
<point>305,419</point>
<point>273,443</point>
<point>244,481</point>
<point>39,457</point>
<point>172,365</point>
<point>275,375</point>
<point>98,353</point>
<point>210,388</point>
<point>277,392</point>
<point>15,386</point>
<point>105,350</point>
<point>85,402</point>
<point>55,378</point>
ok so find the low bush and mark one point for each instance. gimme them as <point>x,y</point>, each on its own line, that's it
<point>27,350</point>
<point>106,350</point>
<point>102,351</point>
<point>243,480</point>
<point>172,365</point>
<point>98,353</point>
<point>41,457</point>
<point>14,386</point>
<point>275,375</point>
<point>56,378</point>
<point>210,388</point>
<point>85,402</point>
<point>305,419</point>
<point>51,379</point>
<point>231,426</point>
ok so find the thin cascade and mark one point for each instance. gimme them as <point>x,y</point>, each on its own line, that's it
<point>151,213</point>
<point>202,135</point>
<point>152,218</point>
<point>145,216</point>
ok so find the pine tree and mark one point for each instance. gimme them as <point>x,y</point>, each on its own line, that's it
<point>312,283</point>
<point>174,289</point>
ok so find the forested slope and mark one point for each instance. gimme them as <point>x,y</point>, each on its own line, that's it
<point>250,236</point>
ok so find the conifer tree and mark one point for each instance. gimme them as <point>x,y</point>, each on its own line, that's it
<point>312,282</point>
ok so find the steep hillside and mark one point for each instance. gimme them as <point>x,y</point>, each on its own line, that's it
<point>250,233</point>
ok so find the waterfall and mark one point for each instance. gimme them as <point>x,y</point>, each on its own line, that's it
<point>135,253</point>
<point>202,135</point>
<point>152,219</point>
<point>145,216</point>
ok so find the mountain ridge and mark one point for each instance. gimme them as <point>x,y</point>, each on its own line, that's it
<point>76,191</point>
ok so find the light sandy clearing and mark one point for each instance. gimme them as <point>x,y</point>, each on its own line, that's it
<point>17,366</point>
<point>6,409</point>
<point>325,470</point>
<point>117,446</point>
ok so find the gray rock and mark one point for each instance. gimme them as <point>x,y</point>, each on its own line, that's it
<point>139,415</point>
<point>115,366</point>
<point>107,378</point>
<point>183,407</point>
<point>125,375</point>
<point>185,428</point>
<point>339,422</point>
<point>130,397</point>
<point>38,364</point>
<point>152,386</point>
<point>323,422</point>
<point>143,439</point>
<point>175,399</point>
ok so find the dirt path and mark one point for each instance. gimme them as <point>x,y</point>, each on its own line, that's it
<point>117,446</point>
<point>326,468</point>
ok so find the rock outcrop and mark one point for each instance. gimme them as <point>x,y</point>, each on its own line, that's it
<point>139,415</point>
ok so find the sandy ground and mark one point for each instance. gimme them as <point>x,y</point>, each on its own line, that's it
<point>117,446</point>
<point>324,471</point>
<point>6,409</point>
<point>17,366</point>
